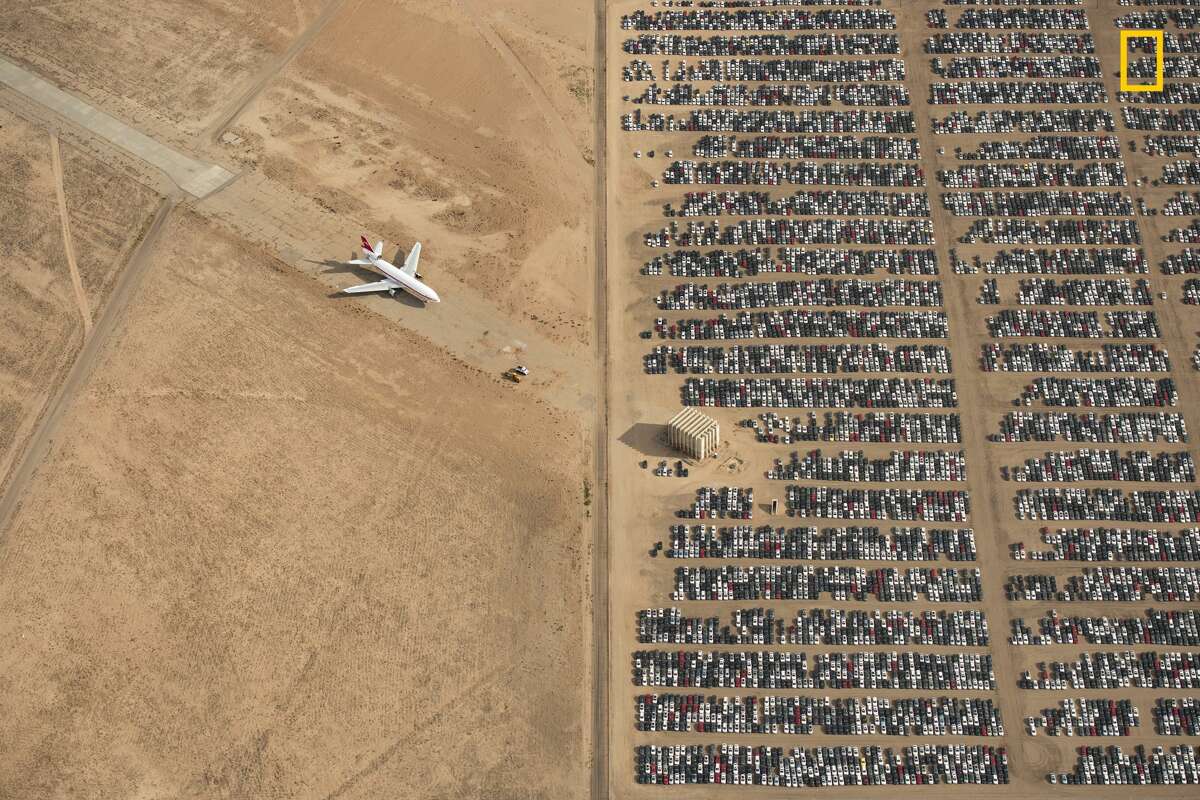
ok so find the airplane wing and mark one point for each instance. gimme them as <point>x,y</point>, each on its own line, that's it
<point>377,286</point>
<point>410,263</point>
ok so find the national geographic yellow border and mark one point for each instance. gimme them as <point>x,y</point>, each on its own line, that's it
<point>1157,86</point>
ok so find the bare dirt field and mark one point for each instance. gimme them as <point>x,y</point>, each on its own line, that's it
<point>40,317</point>
<point>43,321</point>
<point>264,562</point>
<point>493,177</point>
<point>166,65</point>
<point>276,542</point>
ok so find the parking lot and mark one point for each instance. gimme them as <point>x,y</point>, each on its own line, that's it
<point>987,313</point>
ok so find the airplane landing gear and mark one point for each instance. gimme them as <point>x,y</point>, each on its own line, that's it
<point>391,292</point>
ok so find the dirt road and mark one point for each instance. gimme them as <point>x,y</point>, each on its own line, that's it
<point>600,613</point>
<point>43,436</point>
<point>222,123</point>
<point>85,313</point>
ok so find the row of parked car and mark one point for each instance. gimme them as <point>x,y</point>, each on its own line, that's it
<point>1117,544</point>
<point>856,466</point>
<point>1185,262</point>
<point>1033,174</point>
<point>896,174</point>
<point>1086,717</point>
<point>1016,66</point>
<point>828,359</point>
<point>1155,626</point>
<point>1084,292</point>
<point>1039,41</point>
<point>1120,428</point>
<point>1117,670</point>
<point>807,261</point>
<point>890,148</point>
<point>807,202</point>
<point>775,582</point>
<point>789,669</point>
<point>1081,148</point>
<point>1170,145</point>
<point>1057,261</point>
<point>1037,204</point>
<point>842,716</point>
<point>1069,92</point>
<point>759,231</point>
<point>1023,18</point>
<point>727,502</point>
<point>763,44</point>
<point>1053,120</point>
<point>1109,585</point>
<point>811,292</point>
<point>932,505</point>
<point>850,543</point>
<point>796,767</point>
<point>1043,357</point>
<point>846,426</point>
<point>741,95</point>
<point>1070,466</point>
<point>1177,716</point>
<point>1055,231</point>
<point>833,626</point>
<point>1107,392</point>
<point>1109,766</point>
<point>792,323</point>
<point>1112,505</point>
<point>773,69</point>
<point>754,19</point>
<point>1053,323</point>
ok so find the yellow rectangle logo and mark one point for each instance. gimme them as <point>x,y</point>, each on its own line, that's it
<point>1159,71</point>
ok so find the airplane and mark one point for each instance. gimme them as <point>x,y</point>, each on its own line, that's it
<point>405,278</point>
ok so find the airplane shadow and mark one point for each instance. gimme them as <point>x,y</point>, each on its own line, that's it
<point>367,275</point>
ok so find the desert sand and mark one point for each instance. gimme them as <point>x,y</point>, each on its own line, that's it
<point>263,540</point>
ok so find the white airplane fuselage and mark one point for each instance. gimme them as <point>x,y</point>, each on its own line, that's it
<point>413,286</point>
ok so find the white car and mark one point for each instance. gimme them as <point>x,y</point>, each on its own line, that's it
<point>520,369</point>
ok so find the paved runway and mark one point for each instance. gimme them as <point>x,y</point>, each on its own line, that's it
<point>197,178</point>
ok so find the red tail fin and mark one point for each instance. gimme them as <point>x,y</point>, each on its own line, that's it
<point>365,244</point>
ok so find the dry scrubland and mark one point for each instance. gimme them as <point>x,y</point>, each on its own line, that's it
<point>284,545</point>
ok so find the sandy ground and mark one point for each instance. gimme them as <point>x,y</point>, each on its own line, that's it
<point>493,179</point>
<point>42,325</point>
<point>163,64</point>
<point>282,570</point>
<point>284,543</point>
<point>642,505</point>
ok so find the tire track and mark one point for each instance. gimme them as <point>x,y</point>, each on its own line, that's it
<point>38,444</point>
<point>85,313</point>
<point>600,609</point>
<point>535,90</point>
<point>213,132</point>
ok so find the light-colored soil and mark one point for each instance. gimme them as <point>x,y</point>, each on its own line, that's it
<point>106,220</point>
<point>280,551</point>
<point>285,543</point>
<point>42,324</point>
<point>39,322</point>
<point>490,176</point>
